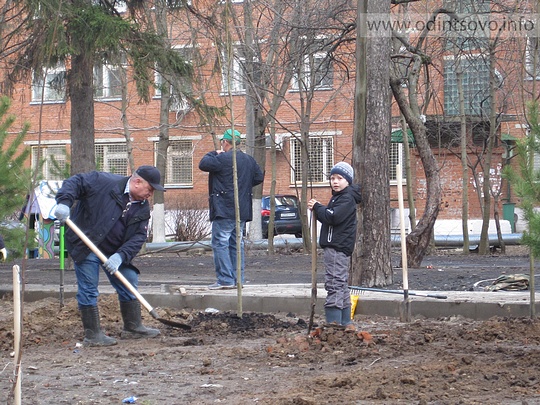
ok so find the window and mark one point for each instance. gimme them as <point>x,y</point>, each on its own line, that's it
<point>321,159</point>
<point>472,30</point>
<point>533,48</point>
<point>179,163</point>
<point>179,85</point>
<point>233,81</point>
<point>317,69</point>
<point>49,83</point>
<point>107,80</point>
<point>112,158</point>
<point>52,162</point>
<point>475,86</point>
<point>396,157</point>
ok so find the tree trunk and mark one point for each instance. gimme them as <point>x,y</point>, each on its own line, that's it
<point>371,264</point>
<point>419,240</point>
<point>483,247</point>
<point>158,217</point>
<point>464,166</point>
<point>81,94</point>
<point>256,119</point>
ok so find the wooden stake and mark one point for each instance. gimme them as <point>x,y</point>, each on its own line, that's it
<point>405,311</point>
<point>313,269</point>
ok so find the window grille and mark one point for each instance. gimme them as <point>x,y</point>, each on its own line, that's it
<point>475,86</point>
<point>179,163</point>
<point>321,159</point>
<point>112,158</point>
<point>52,162</point>
<point>396,157</point>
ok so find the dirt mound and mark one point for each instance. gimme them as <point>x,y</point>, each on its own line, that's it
<point>272,359</point>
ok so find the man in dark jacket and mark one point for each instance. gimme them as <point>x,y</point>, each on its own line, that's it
<point>113,211</point>
<point>221,200</point>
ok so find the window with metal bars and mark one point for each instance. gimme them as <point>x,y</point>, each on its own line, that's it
<point>396,157</point>
<point>179,163</point>
<point>320,162</point>
<point>475,86</point>
<point>51,163</point>
<point>112,158</point>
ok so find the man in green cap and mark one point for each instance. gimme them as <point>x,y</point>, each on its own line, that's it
<point>219,164</point>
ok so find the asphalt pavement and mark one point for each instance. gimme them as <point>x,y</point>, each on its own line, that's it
<point>281,290</point>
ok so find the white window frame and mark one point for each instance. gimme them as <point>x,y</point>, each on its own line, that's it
<point>326,151</point>
<point>529,59</point>
<point>319,58</point>
<point>237,82</point>
<point>110,156</point>
<point>109,74</point>
<point>178,102</point>
<point>47,170</point>
<point>50,93</point>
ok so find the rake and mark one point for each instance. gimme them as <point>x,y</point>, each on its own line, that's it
<point>359,290</point>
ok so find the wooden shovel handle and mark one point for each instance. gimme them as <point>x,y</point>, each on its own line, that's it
<point>103,258</point>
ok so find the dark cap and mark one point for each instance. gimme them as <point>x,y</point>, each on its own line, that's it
<point>152,176</point>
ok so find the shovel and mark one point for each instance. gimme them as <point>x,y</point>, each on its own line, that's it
<point>124,281</point>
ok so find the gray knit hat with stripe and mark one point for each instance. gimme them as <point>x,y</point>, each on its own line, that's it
<point>345,170</point>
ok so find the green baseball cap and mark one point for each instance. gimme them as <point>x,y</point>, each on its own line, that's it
<point>227,135</point>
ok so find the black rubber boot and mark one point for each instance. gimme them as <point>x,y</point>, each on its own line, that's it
<point>133,327</point>
<point>93,335</point>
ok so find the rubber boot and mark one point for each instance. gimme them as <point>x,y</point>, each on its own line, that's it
<point>133,327</point>
<point>333,315</point>
<point>93,335</point>
<point>346,320</point>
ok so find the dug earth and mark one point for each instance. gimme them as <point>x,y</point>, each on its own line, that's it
<point>270,359</point>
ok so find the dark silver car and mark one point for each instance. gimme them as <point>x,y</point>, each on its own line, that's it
<point>287,217</point>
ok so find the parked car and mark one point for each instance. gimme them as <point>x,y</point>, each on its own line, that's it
<point>287,216</point>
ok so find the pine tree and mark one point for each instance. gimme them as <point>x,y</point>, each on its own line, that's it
<point>15,181</point>
<point>525,180</point>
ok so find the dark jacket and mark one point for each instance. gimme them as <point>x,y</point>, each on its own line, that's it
<point>220,183</point>
<point>100,205</point>
<point>338,219</point>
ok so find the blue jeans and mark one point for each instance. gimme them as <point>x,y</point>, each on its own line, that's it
<point>87,273</point>
<point>224,247</point>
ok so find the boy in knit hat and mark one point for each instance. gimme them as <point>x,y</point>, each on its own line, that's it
<point>338,236</point>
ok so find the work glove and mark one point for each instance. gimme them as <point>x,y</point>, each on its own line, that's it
<point>61,213</point>
<point>113,263</point>
<point>4,254</point>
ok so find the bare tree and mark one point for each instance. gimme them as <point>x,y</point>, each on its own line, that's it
<point>371,259</point>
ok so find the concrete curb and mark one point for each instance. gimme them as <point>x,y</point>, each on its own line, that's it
<point>296,299</point>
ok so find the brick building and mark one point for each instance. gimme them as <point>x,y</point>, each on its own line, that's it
<point>331,131</point>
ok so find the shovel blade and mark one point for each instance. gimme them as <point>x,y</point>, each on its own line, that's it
<point>174,324</point>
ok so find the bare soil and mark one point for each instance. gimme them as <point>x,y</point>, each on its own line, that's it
<point>274,359</point>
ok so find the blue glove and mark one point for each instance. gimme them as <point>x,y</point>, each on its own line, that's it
<point>61,212</point>
<point>113,263</point>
